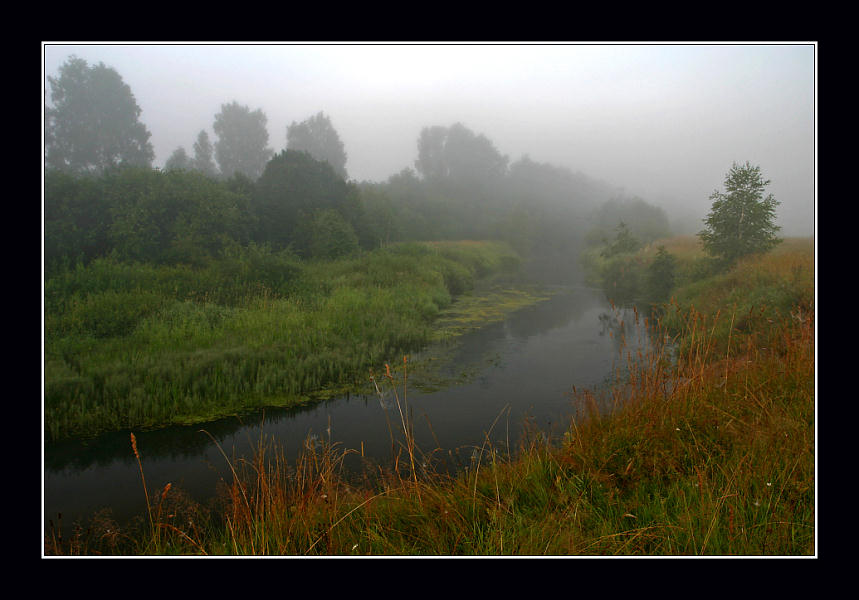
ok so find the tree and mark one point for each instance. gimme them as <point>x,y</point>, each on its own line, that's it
<point>741,221</point>
<point>242,141</point>
<point>624,242</point>
<point>172,217</point>
<point>660,277</point>
<point>203,155</point>
<point>178,161</point>
<point>292,189</point>
<point>330,236</point>
<point>457,155</point>
<point>94,121</point>
<point>431,163</point>
<point>76,218</point>
<point>317,137</point>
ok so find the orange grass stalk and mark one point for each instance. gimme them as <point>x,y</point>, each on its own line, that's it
<point>142,477</point>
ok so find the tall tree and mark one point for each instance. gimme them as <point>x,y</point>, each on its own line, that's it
<point>317,137</point>
<point>293,188</point>
<point>242,144</point>
<point>456,154</point>
<point>741,220</point>
<point>203,155</point>
<point>431,163</point>
<point>94,121</point>
<point>178,161</point>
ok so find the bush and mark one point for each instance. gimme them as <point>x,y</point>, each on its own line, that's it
<point>331,236</point>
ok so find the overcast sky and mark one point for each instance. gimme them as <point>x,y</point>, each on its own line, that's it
<point>663,121</point>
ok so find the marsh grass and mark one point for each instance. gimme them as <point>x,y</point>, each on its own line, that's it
<point>139,346</point>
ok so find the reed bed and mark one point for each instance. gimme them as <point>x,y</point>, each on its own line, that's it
<point>134,345</point>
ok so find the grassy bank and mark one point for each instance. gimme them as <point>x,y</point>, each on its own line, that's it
<point>708,453</point>
<point>137,345</point>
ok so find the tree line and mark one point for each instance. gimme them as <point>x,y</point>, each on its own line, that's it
<point>102,197</point>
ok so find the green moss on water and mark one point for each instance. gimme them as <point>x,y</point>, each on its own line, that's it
<point>434,368</point>
<point>483,307</point>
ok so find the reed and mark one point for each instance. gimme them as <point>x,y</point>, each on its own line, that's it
<point>129,346</point>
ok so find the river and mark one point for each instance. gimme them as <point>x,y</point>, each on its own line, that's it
<point>523,368</point>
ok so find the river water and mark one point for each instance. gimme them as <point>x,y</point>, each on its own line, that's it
<point>521,369</point>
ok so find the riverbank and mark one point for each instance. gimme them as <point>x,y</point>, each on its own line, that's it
<point>712,456</point>
<point>140,346</point>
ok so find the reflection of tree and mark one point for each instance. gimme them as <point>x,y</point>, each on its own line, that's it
<point>628,330</point>
<point>185,441</point>
<point>171,442</point>
<point>549,314</point>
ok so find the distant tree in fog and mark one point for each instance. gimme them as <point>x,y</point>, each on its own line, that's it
<point>317,137</point>
<point>431,162</point>
<point>94,121</point>
<point>203,155</point>
<point>242,145</point>
<point>178,161</point>
<point>457,155</point>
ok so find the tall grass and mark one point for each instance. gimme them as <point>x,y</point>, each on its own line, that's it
<point>134,345</point>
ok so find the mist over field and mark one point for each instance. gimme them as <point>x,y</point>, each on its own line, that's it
<point>663,122</point>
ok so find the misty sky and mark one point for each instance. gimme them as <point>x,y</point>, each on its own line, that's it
<point>663,121</point>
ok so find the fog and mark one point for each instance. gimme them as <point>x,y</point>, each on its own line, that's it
<point>662,121</point>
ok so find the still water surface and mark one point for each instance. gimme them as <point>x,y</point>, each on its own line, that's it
<point>523,368</point>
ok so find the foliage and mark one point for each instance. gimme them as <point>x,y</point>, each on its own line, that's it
<point>624,242</point>
<point>317,136</point>
<point>742,220</point>
<point>178,161</point>
<point>143,214</point>
<point>203,160</point>
<point>330,236</point>
<point>456,155</point>
<point>93,124</point>
<point>76,219</point>
<point>661,276</point>
<point>621,279</point>
<point>291,190</point>
<point>242,145</point>
<point>645,221</point>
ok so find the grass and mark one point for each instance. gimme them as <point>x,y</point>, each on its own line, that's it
<point>139,346</point>
<point>705,452</point>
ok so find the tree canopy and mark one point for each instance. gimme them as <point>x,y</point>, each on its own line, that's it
<point>458,155</point>
<point>293,188</point>
<point>242,144</point>
<point>317,137</point>
<point>178,161</point>
<point>203,160</point>
<point>741,220</point>
<point>94,121</point>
